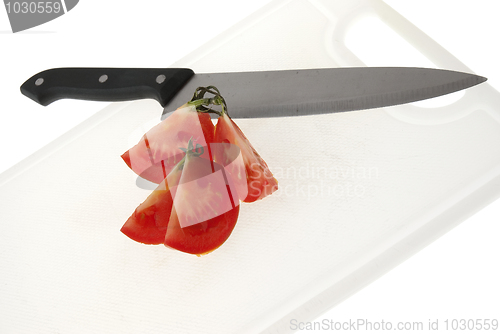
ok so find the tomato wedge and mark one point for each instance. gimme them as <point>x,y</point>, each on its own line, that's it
<point>202,238</point>
<point>260,180</point>
<point>148,223</point>
<point>203,173</point>
<point>159,150</point>
<point>192,210</point>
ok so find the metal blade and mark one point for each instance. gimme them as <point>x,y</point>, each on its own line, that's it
<point>319,91</point>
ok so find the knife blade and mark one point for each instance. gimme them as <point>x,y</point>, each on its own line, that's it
<point>254,94</point>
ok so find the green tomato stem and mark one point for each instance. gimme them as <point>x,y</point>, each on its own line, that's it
<point>203,104</point>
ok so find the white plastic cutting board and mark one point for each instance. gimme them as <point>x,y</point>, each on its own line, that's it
<point>359,192</point>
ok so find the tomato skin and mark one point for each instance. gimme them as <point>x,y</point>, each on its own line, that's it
<point>148,223</point>
<point>203,172</point>
<point>201,238</point>
<point>192,227</point>
<point>159,150</point>
<point>157,220</point>
<point>260,180</point>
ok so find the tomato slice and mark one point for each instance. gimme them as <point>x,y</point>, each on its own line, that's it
<point>233,167</point>
<point>201,238</point>
<point>145,224</point>
<point>260,180</point>
<point>192,210</point>
<point>148,223</point>
<point>204,213</point>
<point>203,173</point>
<point>159,150</point>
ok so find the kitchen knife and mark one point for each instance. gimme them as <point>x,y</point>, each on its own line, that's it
<point>254,94</point>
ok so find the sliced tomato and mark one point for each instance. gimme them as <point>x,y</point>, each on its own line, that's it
<point>203,173</point>
<point>204,213</point>
<point>192,210</point>
<point>260,180</point>
<point>201,238</point>
<point>233,167</point>
<point>160,149</point>
<point>148,223</point>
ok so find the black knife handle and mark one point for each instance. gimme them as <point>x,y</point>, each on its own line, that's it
<point>106,84</point>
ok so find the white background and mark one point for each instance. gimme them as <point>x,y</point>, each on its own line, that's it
<point>455,277</point>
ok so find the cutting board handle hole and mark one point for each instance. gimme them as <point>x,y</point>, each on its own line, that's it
<point>376,44</point>
<point>440,101</point>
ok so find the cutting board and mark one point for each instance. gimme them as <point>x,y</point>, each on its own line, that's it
<point>358,193</point>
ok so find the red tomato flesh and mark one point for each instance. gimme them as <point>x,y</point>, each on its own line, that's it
<point>195,221</point>
<point>159,150</point>
<point>260,180</point>
<point>148,223</point>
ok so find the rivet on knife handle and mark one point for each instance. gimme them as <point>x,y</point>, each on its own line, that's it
<point>106,84</point>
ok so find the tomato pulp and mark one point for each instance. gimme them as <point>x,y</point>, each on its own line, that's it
<point>260,180</point>
<point>192,210</point>
<point>159,150</point>
<point>203,173</point>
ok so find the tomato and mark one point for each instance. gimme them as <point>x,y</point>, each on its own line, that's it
<point>192,210</point>
<point>203,173</point>
<point>234,168</point>
<point>202,238</point>
<point>159,150</point>
<point>148,223</point>
<point>145,224</point>
<point>260,180</point>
